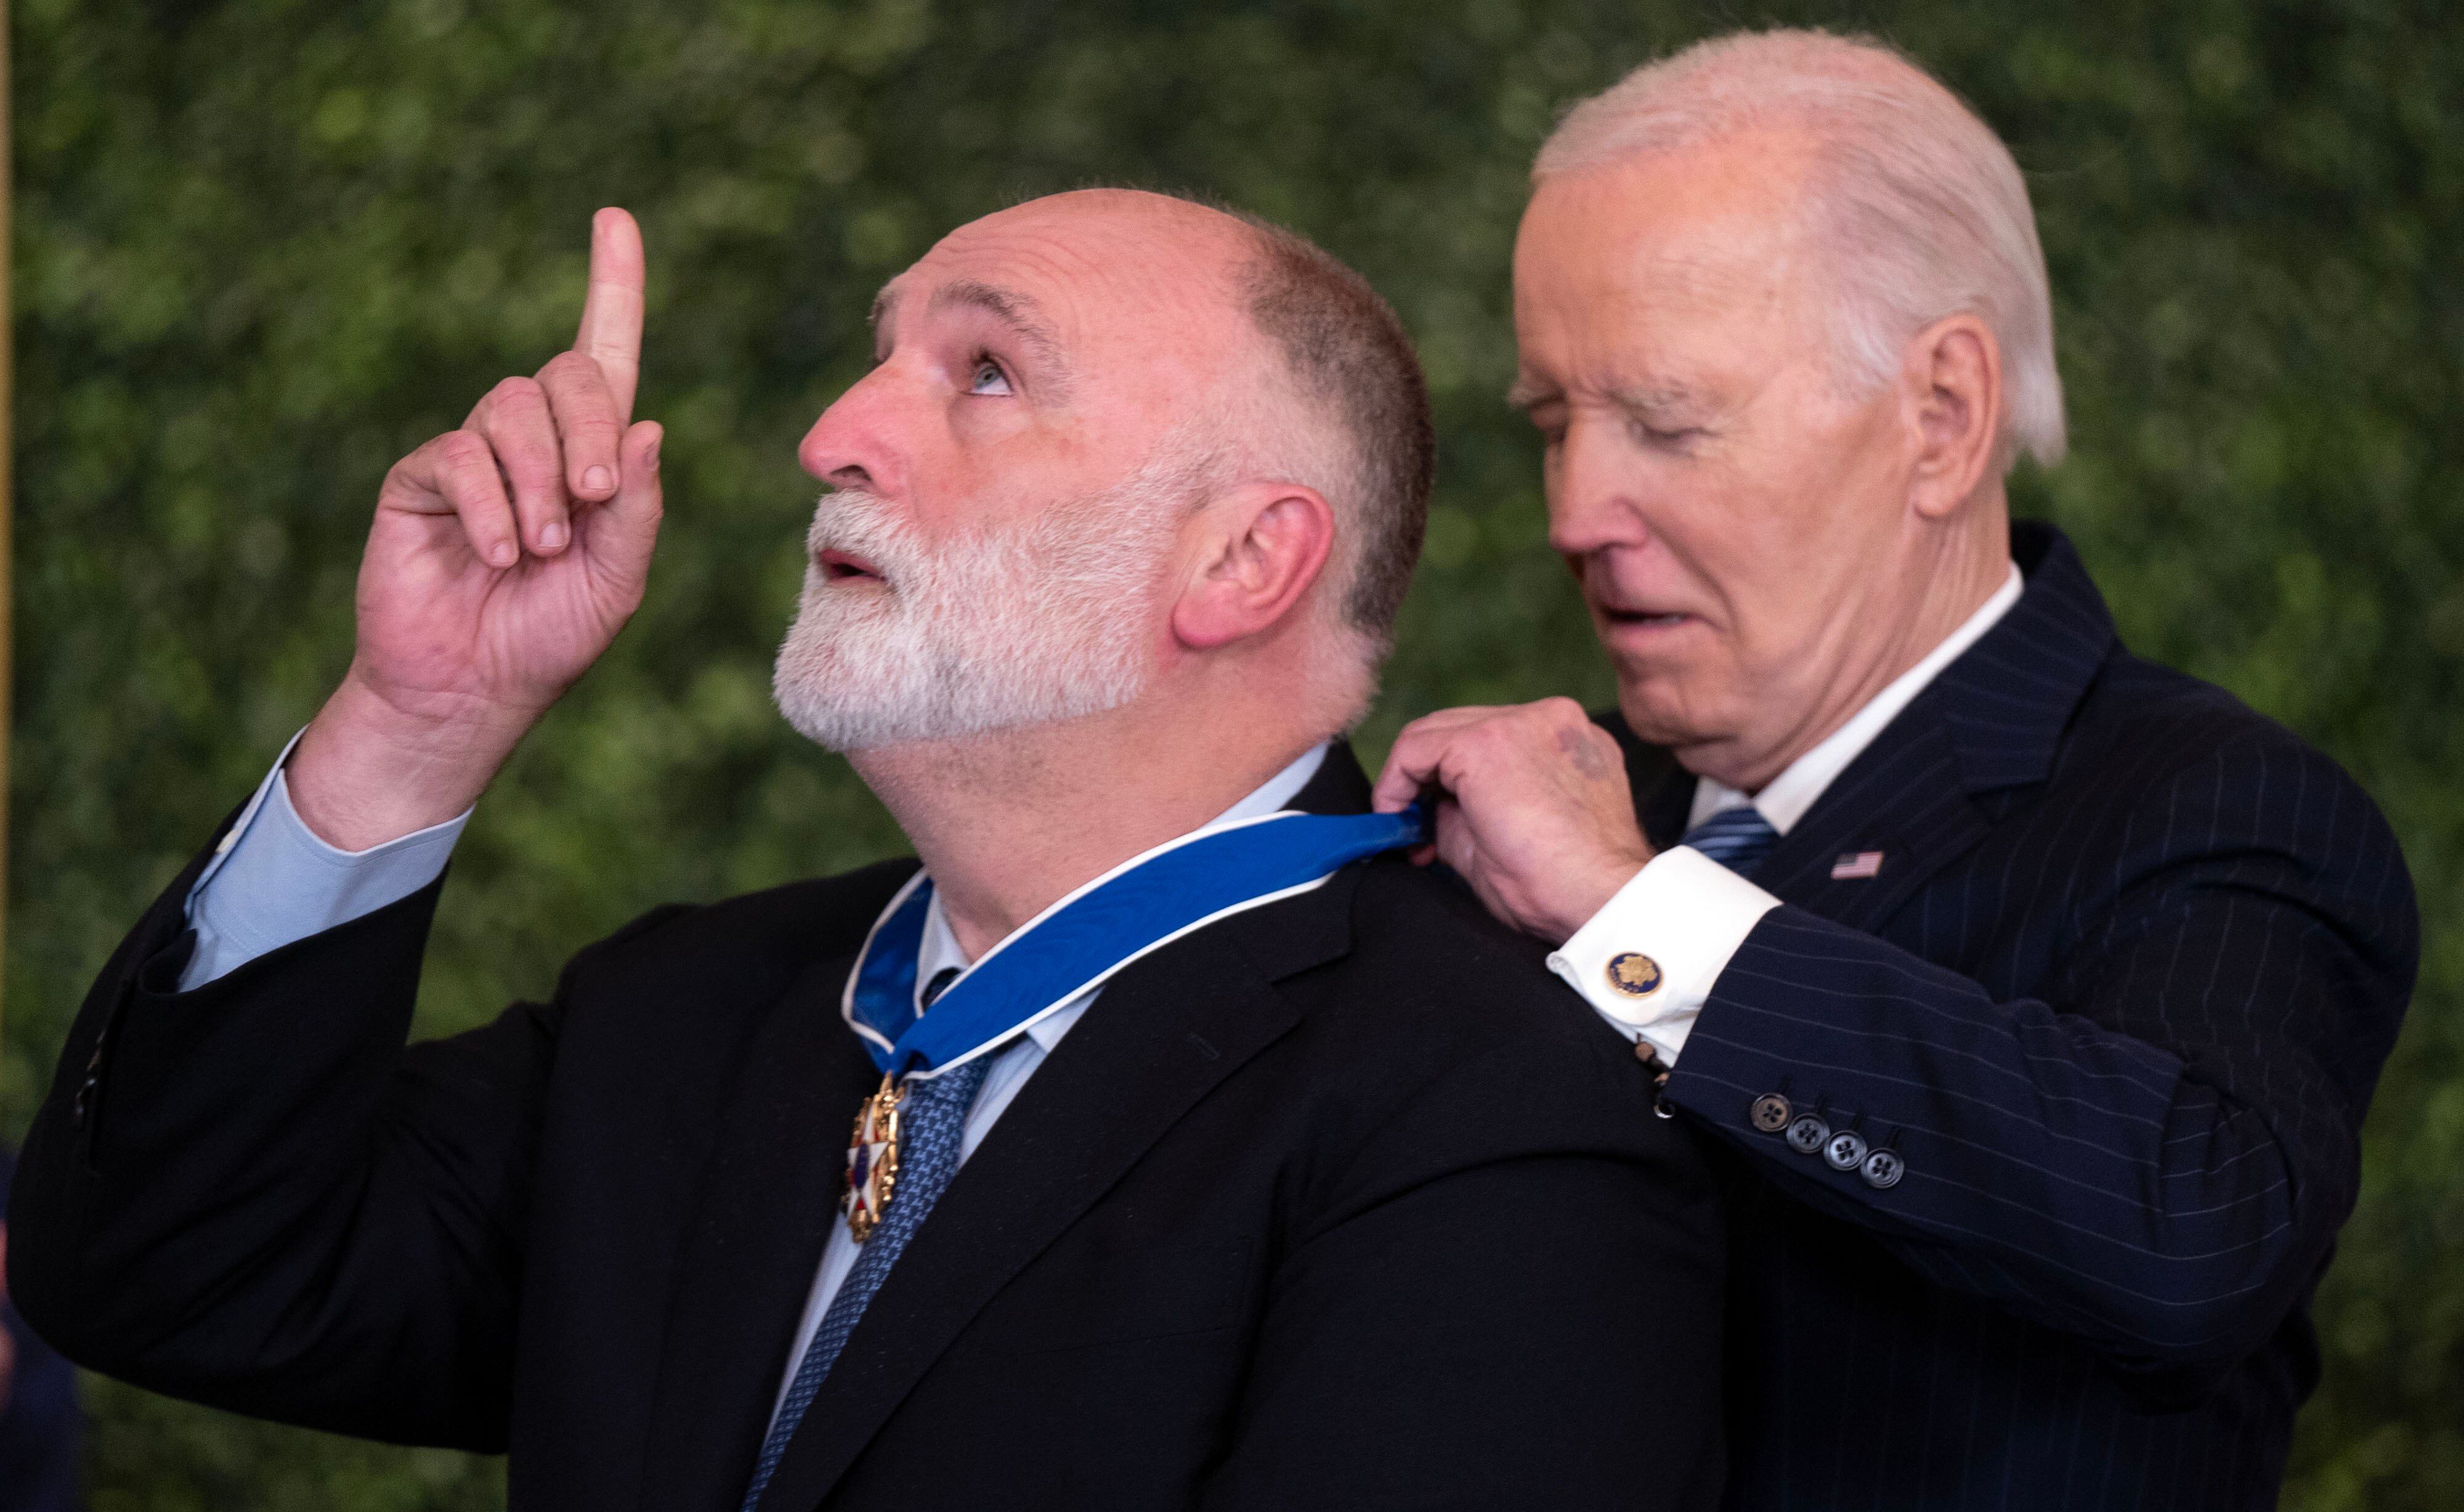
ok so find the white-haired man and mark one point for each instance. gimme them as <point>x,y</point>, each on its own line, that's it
<point>2037,991</point>
<point>1198,1157</point>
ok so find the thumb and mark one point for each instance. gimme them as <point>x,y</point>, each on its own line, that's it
<point>639,493</point>
<point>624,530</point>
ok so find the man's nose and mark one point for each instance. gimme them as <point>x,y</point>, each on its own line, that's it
<point>856,442</point>
<point>1593,497</point>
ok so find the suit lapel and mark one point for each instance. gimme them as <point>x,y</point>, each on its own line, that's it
<point>1163,1033</point>
<point>769,1198</point>
<point>1161,1036</point>
<point>1903,800</point>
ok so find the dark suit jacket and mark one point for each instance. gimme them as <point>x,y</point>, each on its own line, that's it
<point>39,1421</point>
<point>2116,998</point>
<point>1337,1203</point>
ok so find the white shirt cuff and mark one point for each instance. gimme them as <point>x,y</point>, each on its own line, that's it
<point>1646,960</point>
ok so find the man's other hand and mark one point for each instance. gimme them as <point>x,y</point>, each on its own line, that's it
<point>1532,809</point>
<point>504,557</point>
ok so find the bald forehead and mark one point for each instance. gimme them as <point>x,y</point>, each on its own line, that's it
<point>1089,268</point>
<point>1126,220</point>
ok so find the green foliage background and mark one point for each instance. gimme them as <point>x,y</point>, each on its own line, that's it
<point>266,246</point>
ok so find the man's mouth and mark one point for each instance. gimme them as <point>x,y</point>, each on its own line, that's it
<point>1644,619</point>
<point>840,566</point>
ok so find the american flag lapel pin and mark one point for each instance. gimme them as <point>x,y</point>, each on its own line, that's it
<point>1856,866</point>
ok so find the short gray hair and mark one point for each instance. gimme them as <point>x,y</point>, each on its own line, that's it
<point>1352,365</point>
<point>1918,203</point>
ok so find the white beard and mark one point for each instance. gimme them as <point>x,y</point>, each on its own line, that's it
<point>988,631</point>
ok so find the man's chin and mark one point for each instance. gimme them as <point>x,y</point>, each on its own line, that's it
<point>841,708</point>
<point>839,712</point>
<point>856,732</point>
<point>1660,711</point>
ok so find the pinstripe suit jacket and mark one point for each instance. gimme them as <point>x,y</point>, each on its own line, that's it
<point>2116,998</point>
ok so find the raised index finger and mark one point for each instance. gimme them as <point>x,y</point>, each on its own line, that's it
<point>611,312</point>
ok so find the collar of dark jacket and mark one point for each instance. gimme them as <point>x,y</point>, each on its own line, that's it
<point>2007,699</point>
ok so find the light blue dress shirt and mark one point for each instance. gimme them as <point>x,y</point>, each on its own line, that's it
<point>274,882</point>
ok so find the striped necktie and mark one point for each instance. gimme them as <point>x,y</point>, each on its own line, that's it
<point>931,1128</point>
<point>1738,838</point>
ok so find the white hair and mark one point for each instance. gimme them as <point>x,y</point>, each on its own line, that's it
<point>987,630</point>
<point>1918,207</point>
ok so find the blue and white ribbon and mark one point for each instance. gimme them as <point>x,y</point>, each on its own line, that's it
<point>1141,905</point>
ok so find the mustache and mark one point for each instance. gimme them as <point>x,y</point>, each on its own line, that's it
<point>859,522</point>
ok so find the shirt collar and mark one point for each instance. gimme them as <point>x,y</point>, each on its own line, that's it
<point>1787,796</point>
<point>939,948</point>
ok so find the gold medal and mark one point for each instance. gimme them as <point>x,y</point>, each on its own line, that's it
<point>872,1161</point>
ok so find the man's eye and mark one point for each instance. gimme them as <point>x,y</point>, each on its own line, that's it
<point>988,378</point>
<point>1666,438</point>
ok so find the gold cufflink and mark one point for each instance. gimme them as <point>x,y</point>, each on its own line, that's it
<point>1635,974</point>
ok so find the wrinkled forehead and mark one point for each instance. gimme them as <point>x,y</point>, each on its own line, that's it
<point>1714,234</point>
<point>1123,291</point>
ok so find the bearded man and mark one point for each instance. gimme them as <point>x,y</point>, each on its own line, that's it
<point>1203,1154</point>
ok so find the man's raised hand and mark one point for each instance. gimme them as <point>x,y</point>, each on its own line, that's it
<point>504,557</point>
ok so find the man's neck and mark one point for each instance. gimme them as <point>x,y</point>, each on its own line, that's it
<point>1955,581</point>
<point>1008,824</point>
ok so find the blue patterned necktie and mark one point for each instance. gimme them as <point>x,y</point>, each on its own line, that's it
<point>1738,838</point>
<point>932,1128</point>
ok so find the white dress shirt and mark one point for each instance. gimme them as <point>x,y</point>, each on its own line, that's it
<point>1687,912</point>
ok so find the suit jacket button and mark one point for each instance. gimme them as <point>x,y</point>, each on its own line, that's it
<point>1846,1150</point>
<point>1769,1112</point>
<point>1883,1169</point>
<point>1808,1134</point>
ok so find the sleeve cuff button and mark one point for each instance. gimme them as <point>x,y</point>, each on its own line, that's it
<point>1808,1134</point>
<point>1846,1150</point>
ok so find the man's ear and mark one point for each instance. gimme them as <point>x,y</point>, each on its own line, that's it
<point>1260,548</point>
<point>1954,377</point>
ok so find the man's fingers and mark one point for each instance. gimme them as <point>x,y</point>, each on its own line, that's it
<point>1446,747</point>
<point>587,424</point>
<point>1408,764</point>
<point>611,312</point>
<point>520,429</point>
<point>1456,842</point>
<point>456,474</point>
<point>1420,754</point>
